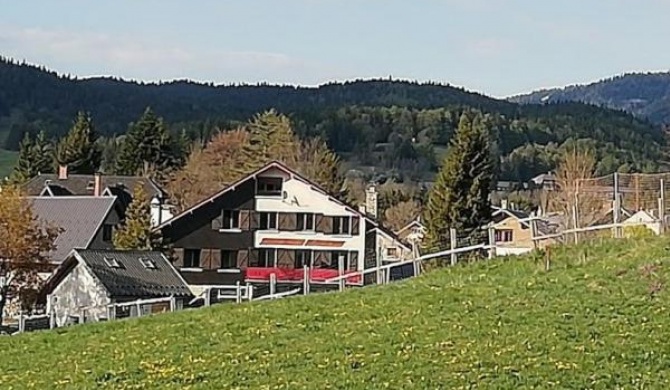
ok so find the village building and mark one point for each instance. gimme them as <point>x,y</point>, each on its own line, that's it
<point>94,285</point>
<point>64,184</point>
<point>513,234</point>
<point>274,221</point>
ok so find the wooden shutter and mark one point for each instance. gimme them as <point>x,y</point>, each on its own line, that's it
<point>292,222</point>
<point>206,258</point>
<point>215,259</point>
<point>318,223</point>
<point>355,225</point>
<point>285,258</point>
<point>245,219</point>
<point>353,261</point>
<point>255,220</point>
<point>324,224</point>
<point>243,258</point>
<point>178,257</point>
<point>217,223</point>
<point>282,221</point>
<point>253,258</point>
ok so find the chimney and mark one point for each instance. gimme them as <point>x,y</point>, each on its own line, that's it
<point>97,184</point>
<point>371,201</point>
<point>62,172</point>
<point>361,208</point>
<point>503,204</point>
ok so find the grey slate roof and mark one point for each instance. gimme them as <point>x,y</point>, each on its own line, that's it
<point>76,184</point>
<point>133,279</point>
<point>80,217</point>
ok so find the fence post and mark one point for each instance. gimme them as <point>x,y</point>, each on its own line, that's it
<point>250,291</point>
<point>273,285</point>
<point>139,309</point>
<point>575,224</point>
<point>238,292</point>
<point>533,232</point>
<point>492,243</point>
<point>452,242</point>
<point>173,303</point>
<point>305,280</point>
<point>22,322</point>
<point>378,264</point>
<point>340,272</point>
<point>208,296</point>
<point>617,205</point>
<point>661,208</point>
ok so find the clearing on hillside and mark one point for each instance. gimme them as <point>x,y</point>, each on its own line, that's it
<point>598,319</point>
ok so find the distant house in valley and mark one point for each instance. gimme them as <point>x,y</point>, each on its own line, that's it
<point>85,285</point>
<point>86,222</point>
<point>415,230</point>
<point>545,181</point>
<point>273,221</point>
<point>64,184</point>
<point>513,231</point>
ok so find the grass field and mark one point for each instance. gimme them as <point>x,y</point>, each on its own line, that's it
<point>598,319</point>
<point>7,161</point>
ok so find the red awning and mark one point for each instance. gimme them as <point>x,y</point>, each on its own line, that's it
<point>296,275</point>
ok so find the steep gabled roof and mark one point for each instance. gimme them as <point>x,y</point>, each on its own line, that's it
<point>80,217</point>
<point>267,167</point>
<point>131,279</point>
<point>81,185</point>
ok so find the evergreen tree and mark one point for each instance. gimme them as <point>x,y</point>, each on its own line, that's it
<point>459,198</point>
<point>136,231</point>
<point>78,149</point>
<point>25,165</point>
<point>148,148</point>
<point>35,157</point>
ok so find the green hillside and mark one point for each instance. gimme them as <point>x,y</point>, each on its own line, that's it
<point>598,319</point>
<point>7,161</point>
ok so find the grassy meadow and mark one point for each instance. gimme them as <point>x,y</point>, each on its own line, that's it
<point>7,161</point>
<point>598,319</point>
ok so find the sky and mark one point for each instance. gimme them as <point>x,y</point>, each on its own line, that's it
<point>497,47</point>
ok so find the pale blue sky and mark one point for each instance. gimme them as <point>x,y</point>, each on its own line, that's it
<point>499,47</point>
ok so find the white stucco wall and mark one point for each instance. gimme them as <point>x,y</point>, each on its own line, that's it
<point>302,198</point>
<point>642,217</point>
<point>78,290</point>
<point>385,242</point>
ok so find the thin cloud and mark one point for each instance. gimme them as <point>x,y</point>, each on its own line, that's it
<point>137,59</point>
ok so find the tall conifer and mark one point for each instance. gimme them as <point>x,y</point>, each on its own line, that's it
<point>78,149</point>
<point>459,198</point>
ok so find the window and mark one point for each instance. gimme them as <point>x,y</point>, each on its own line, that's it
<point>342,225</point>
<point>268,221</point>
<point>267,258</point>
<point>269,186</point>
<point>228,259</point>
<point>191,258</point>
<point>504,235</point>
<point>335,258</point>
<point>392,252</point>
<point>107,232</point>
<point>112,262</point>
<point>147,263</point>
<point>305,221</point>
<point>303,258</point>
<point>231,219</point>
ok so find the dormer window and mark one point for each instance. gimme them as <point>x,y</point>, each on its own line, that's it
<point>269,186</point>
<point>112,262</point>
<point>147,263</point>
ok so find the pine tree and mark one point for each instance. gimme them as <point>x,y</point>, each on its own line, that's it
<point>78,149</point>
<point>148,148</point>
<point>43,153</point>
<point>136,231</point>
<point>459,198</point>
<point>25,165</point>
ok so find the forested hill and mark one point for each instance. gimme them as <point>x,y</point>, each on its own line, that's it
<point>374,124</point>
<point>646,95</point>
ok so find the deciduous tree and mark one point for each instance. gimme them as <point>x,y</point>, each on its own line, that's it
<point>24,247</point>
<point>78,149</point>
<point>398,216</point>
<point>136,231</point>
<point>459,198</point>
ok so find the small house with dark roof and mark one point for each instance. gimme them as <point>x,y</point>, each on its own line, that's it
<point>85,222</point>
<point>99,185</point>
<point>89,283</point>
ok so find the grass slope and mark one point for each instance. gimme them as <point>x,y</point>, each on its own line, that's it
<point>7,161</point>
<point>507,324</point>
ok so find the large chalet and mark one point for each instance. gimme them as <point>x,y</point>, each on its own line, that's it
<point>274,221</point>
